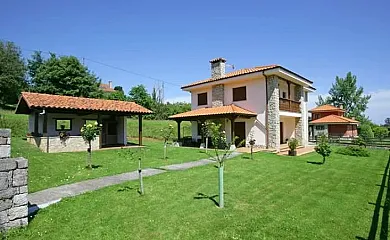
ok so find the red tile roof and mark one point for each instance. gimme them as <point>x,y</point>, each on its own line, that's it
<point>326,108</point>
<point>48,101</point>
<point>334,119</point>
<point>232,74</point>
<point>212,111</point>
<point>106,87</point>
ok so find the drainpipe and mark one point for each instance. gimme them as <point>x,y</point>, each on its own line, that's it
<point>266,110</point>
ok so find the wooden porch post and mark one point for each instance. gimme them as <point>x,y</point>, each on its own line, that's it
<point>140,130</point>
<point>45,124</point>
<point>178,130</point>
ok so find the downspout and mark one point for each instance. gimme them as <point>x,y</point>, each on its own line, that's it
<point>266,110</point>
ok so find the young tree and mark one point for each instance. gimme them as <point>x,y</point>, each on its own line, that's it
<point>89,132</point>
<point>323,148</point>
<point>218,138</point>
<point>12,73</point>
<point>205,134</point>
<point>129,154</point>
<point>63,76</point>
<point>366,132</point>
<point>344,92</point>
<point>166,133</point>
<point>381,132</point>
<point>252,142</point>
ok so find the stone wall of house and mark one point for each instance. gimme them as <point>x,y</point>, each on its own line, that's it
<point>299,126</point>
<point>13,185</point>
<point>273,122</point>
<point>217,95</point>
<point>70,144</point>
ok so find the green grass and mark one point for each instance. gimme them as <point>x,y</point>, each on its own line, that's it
<point>152,128</point>
<point>53,169</point>
<point>17,123</point>
<point>270,197</point>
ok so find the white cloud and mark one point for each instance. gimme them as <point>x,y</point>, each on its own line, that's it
<point>378,106</point>
<point>186,99</point>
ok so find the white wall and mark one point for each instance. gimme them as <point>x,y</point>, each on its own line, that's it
<point>194,97</point>
<point>122,130</point>
<point>289,124</point>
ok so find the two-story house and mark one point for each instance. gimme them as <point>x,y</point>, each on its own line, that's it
<point>330,120</point>
<point>266,102</point>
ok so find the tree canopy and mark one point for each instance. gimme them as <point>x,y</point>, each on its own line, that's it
<point>140,95</point>
<point>12,73</point>
<point>345,92</point>
<point>63,75</point>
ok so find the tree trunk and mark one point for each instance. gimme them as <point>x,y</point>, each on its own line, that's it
<point>141,184</point>
<point>165,151</point>
<point>89,155</point>
<point>220,182</point>
<point>251,152</point>
<point>323,160</point>
<point>207,143</point>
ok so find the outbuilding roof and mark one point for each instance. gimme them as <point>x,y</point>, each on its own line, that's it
<point>29,101</point>
<point>326,108</point>
<point>335,120</point>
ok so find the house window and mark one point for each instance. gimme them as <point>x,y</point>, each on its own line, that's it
<point>320,127</point>
<point>239,94</point>
<point>202,99</point>
<point>284,95</point>
<point>63,124</point>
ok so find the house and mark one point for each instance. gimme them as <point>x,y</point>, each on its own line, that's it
<point>266,102</point>
<point>107,87</point>
<point>55,121</point>
<point>330,121</point>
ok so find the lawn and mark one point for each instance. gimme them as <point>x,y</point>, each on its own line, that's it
<point>53,169</point>
<point>152,128</point>
<point>270,197</point>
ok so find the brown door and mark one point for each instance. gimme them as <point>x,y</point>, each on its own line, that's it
<point>281,132</point>
<point>239,131</point>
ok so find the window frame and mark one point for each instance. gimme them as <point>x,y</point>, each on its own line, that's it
<point>237,100</point>
<point>206,101</point>
<point>62,119</point>
<point>322,127</point>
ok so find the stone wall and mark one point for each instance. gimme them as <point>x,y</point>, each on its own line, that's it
<point>55,144</point>
<point>273,122</point>
<point>13,185</point>
<point>217,95</point>
<point>299,127</point>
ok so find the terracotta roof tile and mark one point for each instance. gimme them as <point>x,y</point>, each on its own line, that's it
<point>233,74</point>
<point>106,87</point>
<point>40,100</point>
<point>334,119</point>
<point>327,108</point>
<point>210,111</point>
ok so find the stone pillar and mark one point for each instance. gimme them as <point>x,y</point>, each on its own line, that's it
<point>217,95</point>
<point>218,66</point>
<point>13,186</point>
<point>299,124</point>
<point>273,120</point>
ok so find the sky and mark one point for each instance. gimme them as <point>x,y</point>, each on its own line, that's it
<point>144,42</point>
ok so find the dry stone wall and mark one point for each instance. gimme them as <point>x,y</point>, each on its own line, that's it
<point>13,185</point>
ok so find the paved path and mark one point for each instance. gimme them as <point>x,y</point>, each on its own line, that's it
<point>52,195</point>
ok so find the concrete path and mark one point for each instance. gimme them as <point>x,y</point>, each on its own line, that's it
<point>49,196</point>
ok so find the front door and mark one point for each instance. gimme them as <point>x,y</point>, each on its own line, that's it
<point>239,131</point>
<point>281,132</point>
<point>109,132</point>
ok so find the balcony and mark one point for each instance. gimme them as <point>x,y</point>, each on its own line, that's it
<point>289,105</point>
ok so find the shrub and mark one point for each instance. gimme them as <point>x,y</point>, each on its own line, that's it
<point>381,132</point>
<point>323,148</point>
<point>293,144</point>
<point>353,151</point>
<point>359,141</point>
<point>366,132</point>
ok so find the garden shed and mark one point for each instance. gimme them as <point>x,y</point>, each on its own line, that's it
<point>55,121</point>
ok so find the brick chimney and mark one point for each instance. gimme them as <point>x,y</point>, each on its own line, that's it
<point>218,67</point>
<point>110,84</point>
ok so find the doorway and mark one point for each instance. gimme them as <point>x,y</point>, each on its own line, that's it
<point>109,133</point>
<point>281,133</point>
<point>239,131</point>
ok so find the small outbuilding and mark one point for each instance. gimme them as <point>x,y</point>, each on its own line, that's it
<point>55,121</point>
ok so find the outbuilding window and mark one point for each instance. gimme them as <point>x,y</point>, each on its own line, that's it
<point>239,94</point>
<point>63,124</point>
<point>202,99</point>
<point>320,127</point>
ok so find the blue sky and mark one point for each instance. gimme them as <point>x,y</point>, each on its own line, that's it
<point>174,40</point>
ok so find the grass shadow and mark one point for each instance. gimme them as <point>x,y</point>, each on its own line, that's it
<point>33,210</point>
<point>378,206</point>
<point>205,196</point>
<point>125,189</point>
<point>315,163</point>
<point>94,166</point>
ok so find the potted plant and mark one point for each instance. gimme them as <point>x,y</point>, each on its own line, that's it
<point>292,145</point>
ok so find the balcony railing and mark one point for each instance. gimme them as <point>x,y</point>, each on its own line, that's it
<point>289,105</point>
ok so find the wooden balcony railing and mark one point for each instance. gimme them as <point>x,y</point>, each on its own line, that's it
<point>289,105</point>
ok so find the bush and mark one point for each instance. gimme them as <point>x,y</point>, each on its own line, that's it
<point>323,148</point>
<point>353,151</point>
<point>366,132</point>
<point>359,141</point>
<point>293,144</point>
<point>381,132</point>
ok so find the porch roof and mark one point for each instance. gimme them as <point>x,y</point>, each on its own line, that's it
<point>334,119</point>
<point>29,101</point>
<point>228,110</point>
